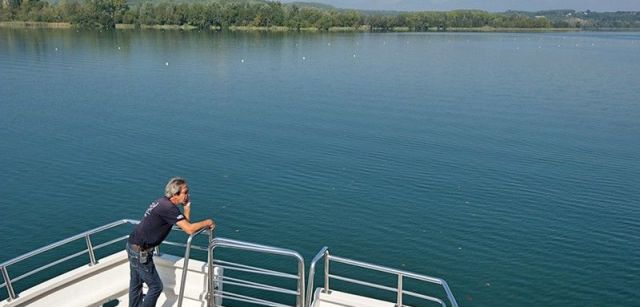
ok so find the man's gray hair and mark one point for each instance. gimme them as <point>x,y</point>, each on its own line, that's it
<point>173,186</point>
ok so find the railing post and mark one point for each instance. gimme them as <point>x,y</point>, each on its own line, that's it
<point>185,266</point>
<point>92,256</point>
<point>310,290</point>
<point>399,300</point>
<point>209,295</point>
<point>300,301</point>
<point>326,272</point>
<point>7,281</point>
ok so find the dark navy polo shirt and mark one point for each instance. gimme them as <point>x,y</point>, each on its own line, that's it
<point>156,224</point>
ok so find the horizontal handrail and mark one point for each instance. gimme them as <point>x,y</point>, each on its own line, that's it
<point>196,247</point>
<point>65,241</point>
<point>426,297</point>
<point>224,242</point>
<point>251,269</point>
<point>246,246</point>
<point>254,285</point>
<point>61,260</point>
<point>372,285</point>
<point>27,274</point>
<point>84,235</point>
<point>386,269</point>
<point>110,242</point>
<point>360,282</point>
<point>324,253</point>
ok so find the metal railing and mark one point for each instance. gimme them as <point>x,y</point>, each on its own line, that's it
<point>218,294</point>
<point>230,266</point>
<point>185,267</point>
<point>90,251</point>
<point>400,292</point>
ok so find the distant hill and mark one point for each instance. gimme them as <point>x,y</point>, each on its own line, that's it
<point>316,5</point>
<point>586,19</point>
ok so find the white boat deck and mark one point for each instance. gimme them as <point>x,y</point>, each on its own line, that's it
<point>341,299</point>
<point>109,280</point>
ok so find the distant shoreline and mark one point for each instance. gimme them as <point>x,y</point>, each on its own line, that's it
<point>363,29</point>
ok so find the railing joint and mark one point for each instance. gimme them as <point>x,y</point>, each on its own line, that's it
<point>92,255</point>
<point>7,282</point>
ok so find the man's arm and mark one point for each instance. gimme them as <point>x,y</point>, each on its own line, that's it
<point>187,211</point>
<point>190,228</point>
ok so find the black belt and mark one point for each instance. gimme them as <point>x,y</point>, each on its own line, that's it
<point>137,248</point>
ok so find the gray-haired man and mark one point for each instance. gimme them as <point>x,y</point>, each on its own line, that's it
<point>154,227</point>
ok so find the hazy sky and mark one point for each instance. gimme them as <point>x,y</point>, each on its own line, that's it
<point>487,5</point>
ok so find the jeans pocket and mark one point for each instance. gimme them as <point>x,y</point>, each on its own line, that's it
<point>148,266</point>
<point>134,262</point>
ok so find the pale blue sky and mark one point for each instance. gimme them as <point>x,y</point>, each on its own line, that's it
<point>487,5</point>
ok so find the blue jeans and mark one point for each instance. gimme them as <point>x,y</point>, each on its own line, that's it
<point>143,272</point>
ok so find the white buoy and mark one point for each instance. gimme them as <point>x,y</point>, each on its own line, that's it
<point>242,61</point>
<point>56,49</point>
<point>166,63</point>
<point>304,58</point>
<point>354,55</point>
<point>118,47</point>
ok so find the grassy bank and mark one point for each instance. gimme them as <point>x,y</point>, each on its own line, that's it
<point>508,30</point>
<point>35,24</point>
<point>66,25</point>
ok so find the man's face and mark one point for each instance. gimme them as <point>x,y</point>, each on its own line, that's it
<point>184,194</point>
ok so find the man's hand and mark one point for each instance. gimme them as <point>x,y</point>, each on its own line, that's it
<point>190,228</point>
<point>210,223</point>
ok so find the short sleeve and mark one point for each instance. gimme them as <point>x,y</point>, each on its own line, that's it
<point>171,215</point>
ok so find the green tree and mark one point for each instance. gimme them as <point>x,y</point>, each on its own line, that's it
<point>101,14</point>
<point>292,18</point>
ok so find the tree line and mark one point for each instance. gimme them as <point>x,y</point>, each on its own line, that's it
<point>105,14</point>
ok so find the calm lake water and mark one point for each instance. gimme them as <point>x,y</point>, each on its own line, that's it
<point>507,164</point>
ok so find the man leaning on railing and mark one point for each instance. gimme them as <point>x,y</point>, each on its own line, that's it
<point>154,227</point>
